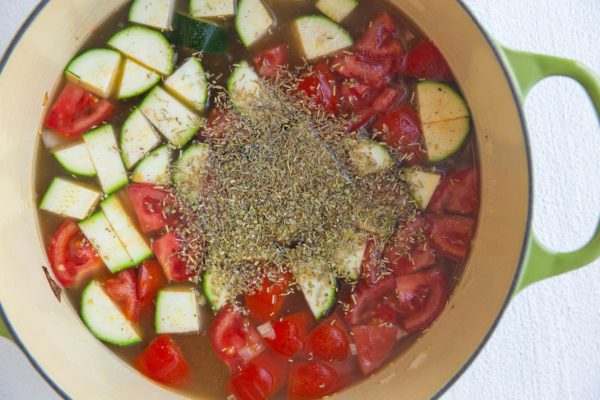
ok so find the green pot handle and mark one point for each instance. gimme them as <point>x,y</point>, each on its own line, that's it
<point>527,70</point>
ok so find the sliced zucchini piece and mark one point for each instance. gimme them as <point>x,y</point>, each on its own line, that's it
<point>95,70</point>
<point>146,46</point>
<point>319,36</point>
<point>191,164</point>
<point>138,138</point>
<point>75,158</point>
<point>320,293</point>
<point>244,85</point>
<point>126,231</point>
<point>422,185</point>
<point>154,13</point>
<point>190,84</point>
<point>199,35</point>
<point>105,319</point>
<point>104,151</point>
<point>136,80</point>
<point>377,220</point>
<point>445,119</point>
<point>177,311</point>
<point>337,10</point>
<point>252,21</point>
<point>212,8</point>
<point>369,157</point>
<point>215,293</point>
<point>349,255</point>
<point>105,241</point>
<point>173,119</point>
<point>70,199</point>
<point>155,168</point>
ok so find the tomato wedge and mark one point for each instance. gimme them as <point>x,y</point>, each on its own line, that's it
<point>234,339</point>
<point>425,61</point>
<point>167,250</point>
<point>378,41</point>
<point>373,345</point>
<point>151,206</point>
<point>265,304</point>
<point>150,280</point>
<point>260,379</point>
<point>403,254</point>
<point>452,235</point>
<point>375,73</point>
<point>72,257</point>
<point>290,333</point>
<point>163,361</point>
<point>421,298</point>
<point>356,96</point>
<point>401,130</point>
<point>330,340</point>
<point>76,111</point>
<point>123,289</point>
<point>320,86</point>
<point>269,61</point>
<point>312,380</point>
<point>365,298</point>
<point>458,193</point>
<point>381,104</point>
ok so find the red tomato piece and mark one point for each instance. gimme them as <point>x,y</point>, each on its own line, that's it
<point>320,84</point>
<point>167,250</point>
<point>458,193</point>
<point>421,298</point>
<point>388,99</point>
<point>371,72</point>
<point>260,379</point>
<point>269,61</point>
<point>371,261</point>
<point>373,345</point>
<point>356,96</point>
<point>425,61</point>
<point>234,339</point>
<point>217,125</point>
<point>401,130</point>
<point>150,205</point>
<point>150,280</point>
<point>378,41</point>
<point>265,304</point>
<point>76,111</point>
<point>123,289</point>
<point>163,361</point>
<point>403,254</point>
<point>312,380</point>
<point>451,235</point>
<point>330,340</point>
<point>71,255</point>
<point>290,333</point>
<point>365,298</point>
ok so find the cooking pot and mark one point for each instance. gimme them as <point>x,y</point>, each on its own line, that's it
<point>506,257</point>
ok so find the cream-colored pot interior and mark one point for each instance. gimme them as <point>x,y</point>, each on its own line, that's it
<point>83,368</point>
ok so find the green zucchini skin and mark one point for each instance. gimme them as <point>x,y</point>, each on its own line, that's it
<point>199,35</point>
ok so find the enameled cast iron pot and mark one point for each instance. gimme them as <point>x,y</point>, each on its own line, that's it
<point>505,258</point>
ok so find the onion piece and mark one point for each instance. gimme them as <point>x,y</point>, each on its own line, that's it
<point>266,330</point>
<point>353,349</point>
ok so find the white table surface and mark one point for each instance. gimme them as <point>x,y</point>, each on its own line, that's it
<point>546,346</point>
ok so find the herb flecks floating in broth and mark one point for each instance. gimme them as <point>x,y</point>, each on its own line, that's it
<point>300,193</point>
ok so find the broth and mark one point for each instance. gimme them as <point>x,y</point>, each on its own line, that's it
<point>209,374</point>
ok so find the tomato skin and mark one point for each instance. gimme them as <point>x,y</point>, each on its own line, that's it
<point>234,339</point>
<point>167,249</point>
<point>373,345</point>
<point>425,61</point>
<point>72,257</point>
<point>312,380</point>
<point>371,72</point>
<point>378,41</point>
<point>421,298</point>
<point>163,361</point>
<point>216,128</point>
<point>269,61</point>
<point>290,334</point>
<point>458,193</point>
<point>330,340</point>
<point>260,379</point>
<point>403,255</point>
<point>149,203</point>
<point>451,235</point>
<point>76,111</point>
<point>401,130</point>
<point>320,84</point>
<point>371,261</point>
<point>366,298</point>
<point>123,289</point>
<point>266,304</point>
<point>150,280</point>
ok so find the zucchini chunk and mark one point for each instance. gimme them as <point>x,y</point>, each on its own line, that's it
<point>177,311</point>
<point>136,80</point>
<point>199,35</point>
<point>212,8</point>
<point>154,13</point>
<point>244,85</point>
<point>216,294</point>
<point>138,138</point>
<point>319,36</point>
<point>422,185</point>
<point>189,83</point>
<point>155,168</point>
<point>191,163</point>
<point>369,157</point>
<point>96,70</point>
<point>70,199</point>
<point>253,21</point>
<point>104,319</point>
<point>146,46</point>
<point>104,151</point>
<point>349,255</point>
<point>76,159</point>
<point>445,119</point>
<point>337,10</point>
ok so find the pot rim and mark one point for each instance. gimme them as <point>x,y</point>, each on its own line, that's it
<point>515,94</point>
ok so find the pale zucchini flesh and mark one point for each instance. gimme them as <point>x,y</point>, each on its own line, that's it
<point>252,21</point>
<point>369,157</point>
<point>422,185</point>
<point>212,8</point>
<point>319,293</point>
<point>104,152</point>
<point>215,293</point>
<point>76,159</point>
<point>104,319</point>
<point>146,46</point>
<point>337,10</point>
<point>177,311</point>
<point>320,36</point>
<point>70,199</point>
<point>135,80</point>
<point>349,255</point>
<point>154,13</point>
<point>189,83</point>
<point>191,164</point>
<point>138,138</point>
<point>244,85</point>
<point>155,168</point>
<point>96,70</point>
